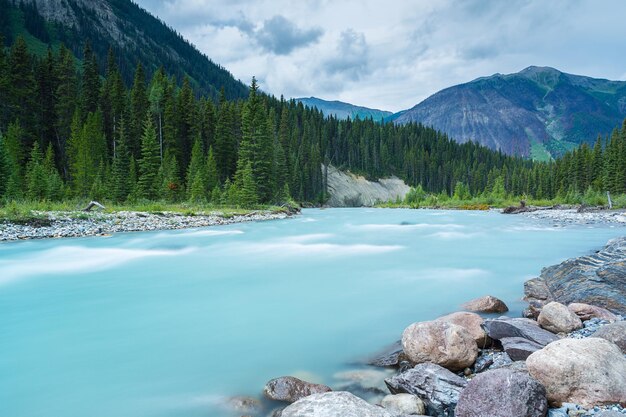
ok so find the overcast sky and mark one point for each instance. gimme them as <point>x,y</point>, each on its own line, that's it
<point>393,54</point>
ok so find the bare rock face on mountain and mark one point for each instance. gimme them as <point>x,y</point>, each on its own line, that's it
<point>349,190</point>
<point>539,107</point>
<point>598,279</point>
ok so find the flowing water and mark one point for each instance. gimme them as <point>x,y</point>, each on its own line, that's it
<point>171,323</point>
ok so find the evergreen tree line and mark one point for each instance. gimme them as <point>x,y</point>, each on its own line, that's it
<point>66,131</point>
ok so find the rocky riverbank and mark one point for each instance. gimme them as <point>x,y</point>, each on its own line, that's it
<point>567,360</point>
<point>81,224</point>
<point>571,216</point>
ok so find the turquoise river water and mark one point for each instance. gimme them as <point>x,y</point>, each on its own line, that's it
<point>171,323</point>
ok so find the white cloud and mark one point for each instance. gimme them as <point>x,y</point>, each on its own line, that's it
<point>393,54</point>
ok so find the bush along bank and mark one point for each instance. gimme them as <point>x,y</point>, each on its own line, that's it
<point>563,360</point>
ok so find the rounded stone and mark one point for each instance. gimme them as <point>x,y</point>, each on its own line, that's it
<point>486,304</point>
<point>408,404</point>
<point>557,318</point>
<point>471,322</point>
<point>615,333</point>
<point>445,344</point>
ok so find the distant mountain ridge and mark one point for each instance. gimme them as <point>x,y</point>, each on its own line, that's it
<point>343,110</point>
<point>134,35</point>
<point>539,112</point>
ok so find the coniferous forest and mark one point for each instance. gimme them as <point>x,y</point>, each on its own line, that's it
<point>73,128</point>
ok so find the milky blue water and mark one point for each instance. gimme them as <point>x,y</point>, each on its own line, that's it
<point>171,323</point>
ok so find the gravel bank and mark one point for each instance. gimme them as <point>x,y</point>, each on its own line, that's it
<point>73,224</point>
<point>566,217</point>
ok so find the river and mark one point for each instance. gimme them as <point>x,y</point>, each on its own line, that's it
<point>171,323</point>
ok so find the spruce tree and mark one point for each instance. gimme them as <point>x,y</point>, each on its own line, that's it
<point>120,186</point>
<point>171,185</point>
<point>196,168</point>
<point>211,173</point>
<point>138,111</point>
<point>90,82</point>
<point>36,176</point>
<point>5,168</point>
<point>149,162</point>
<point>55,189</point>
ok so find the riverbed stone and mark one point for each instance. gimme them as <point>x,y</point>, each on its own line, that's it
<point>291,389</point>
<point>598,279</point>
<point>557,318</point>
<point>334,404</point>
<point>519,348</point>
<point>588,372</point>
<point>615,333</point>
<point>587,312</point>
<point>471,322</point>
<point>518,327</point>
<point>439,342</point>
<point>404,404</point>
<point>486,304</point>
<point>502,393</point>
<point>436,386</point>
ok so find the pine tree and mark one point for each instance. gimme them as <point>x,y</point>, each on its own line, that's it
<point>55,188</point>
<point>36,178</point>
<point>120,186</point>
<point>5,106</point>
<point>5,168</point>
<point>22,90</point>
<point>149,162</point>
<point>195,170</point>
<point>171,186</point>
<point>90,82</point>
<point>65,103</point>
<point>138,111</point>
<point>225,142</point>
<point>246,194</point>
<point>211,173</point>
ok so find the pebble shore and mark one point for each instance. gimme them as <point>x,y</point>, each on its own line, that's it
<point>73,224</point>
<point>566,217</point>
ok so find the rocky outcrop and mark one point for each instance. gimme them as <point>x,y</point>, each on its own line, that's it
<point>404,404</point>
<point>615,333</point>
<point>441,343</point>
<point>291,389</point>
<point>334,404</point>
<point>588,372</point>
<point>557,318</point>
<point>587,312</point>
<point>502,393</point>
<point>349,190</point>
<point>598,279</point>
<point>504,327</point>
<point>486,304</point>
<point>471,322</point>
<point>436,386</point>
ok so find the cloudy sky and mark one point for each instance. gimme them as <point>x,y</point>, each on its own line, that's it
<point>392,54</point>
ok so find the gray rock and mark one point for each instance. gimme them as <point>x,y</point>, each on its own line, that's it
<point>519,348</point>
<point>558,412</point>
<point>614,332</point>
<point>587,312</point>
<point>404,404</point>
<point>502,393</point>
<point>435,385</point>
<point>390,356</point>
<point>491,359</point>
<point>518,327</point>
<point>598,279</point>
<point>291,389</point>
<point>610,413</point>
<point>334,404</point>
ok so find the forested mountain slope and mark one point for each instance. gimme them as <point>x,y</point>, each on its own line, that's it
<point>131,32</point>
<point>539,112</point>
<point>343,110</point>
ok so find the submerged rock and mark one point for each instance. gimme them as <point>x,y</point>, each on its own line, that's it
<point>598,280</point>
<point>486,304</point>
<point>334,404</point>
<point>557,318</point>
<point>291,389</point>
<point>404,404</point>
<point>502,393</point>
<point>436,386</point>
<point>439,342</point>
<point>588,372</point>
<point>390,356</point>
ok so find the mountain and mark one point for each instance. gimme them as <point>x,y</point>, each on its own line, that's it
<point>133,34</point>
<point>539,112</point>
<point>343,110</point>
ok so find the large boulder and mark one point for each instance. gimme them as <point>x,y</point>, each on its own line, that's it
<point>291,389</point>
<point>614,332</point>
<point>436,386</point>
<point>502,393</point>
<point>471,322</point>
<point>334,404</point>
<point>404,404</point>
<point>588,372</point>
<point>518,327</point>
<point>557,318</point>
<point>587,312</point>
<point>486,304</point>
<point>439,342</point>
<point>598,279</point>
